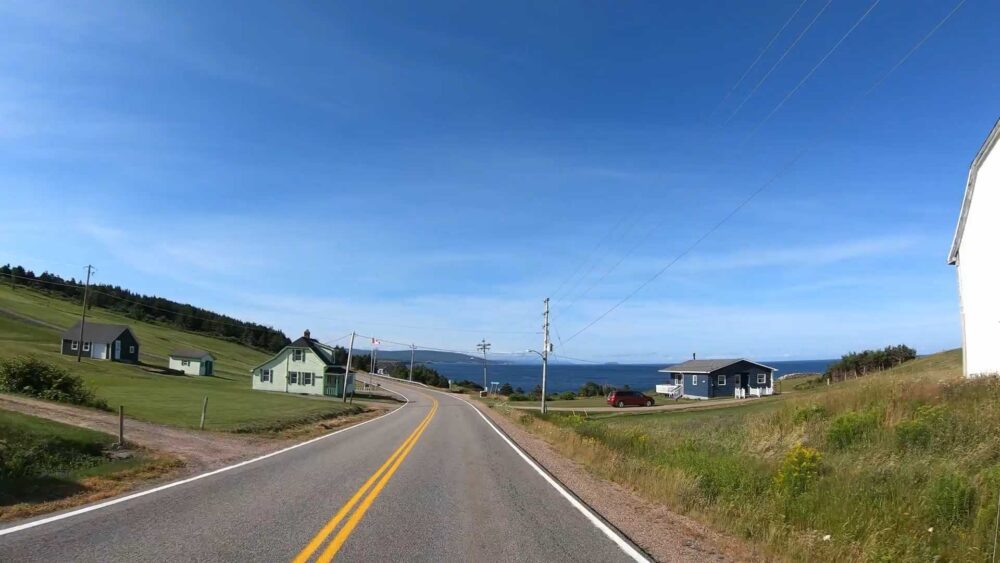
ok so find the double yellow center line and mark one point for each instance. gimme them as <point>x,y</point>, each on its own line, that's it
<point>363,498</point>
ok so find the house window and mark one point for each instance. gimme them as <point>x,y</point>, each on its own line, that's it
<point>298,355</point>
<point>307,378</point>
<point>761,378</point>
<point>86,346</point>
<point>74,345</point>
<point>131,349</point>
<point>265,376</point>
<point>185,362</point>
<point>293,377</point>
<point>694,379</point>
<point>722,379</point>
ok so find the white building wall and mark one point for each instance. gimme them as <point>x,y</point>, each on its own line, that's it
<point>193,369</point>
<point>282,364</point>
<point>979,272</point>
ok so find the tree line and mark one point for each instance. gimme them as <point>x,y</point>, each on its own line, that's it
<point>867,361</point>
<point>150,308</point>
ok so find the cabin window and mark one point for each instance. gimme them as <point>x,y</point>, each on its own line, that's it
<point>722,379</point>
<point>185,362</point>
<point>761,378</point>
<point>694,379</point>
<point>307,378</point>
<point>131,349</point>
<point>74,345</point>
<point>265,376</point>
<point>293,377</point>
<point>297,355</point>
<point>86,346</point>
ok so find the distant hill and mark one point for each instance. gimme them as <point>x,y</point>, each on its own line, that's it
<point>151,308</point>
<point>423,356</point>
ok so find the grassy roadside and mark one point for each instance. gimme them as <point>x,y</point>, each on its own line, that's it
<point>46,465</point>
<point>902,466</point>
<point>147,395</point>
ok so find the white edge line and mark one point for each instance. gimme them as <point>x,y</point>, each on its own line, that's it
<point>105,504</point>
<point>623,544</point>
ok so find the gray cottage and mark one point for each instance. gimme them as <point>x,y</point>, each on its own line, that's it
<point>101,342</point>
<point>706,379</point>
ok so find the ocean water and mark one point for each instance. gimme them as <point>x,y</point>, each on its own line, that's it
<point>565,377</point>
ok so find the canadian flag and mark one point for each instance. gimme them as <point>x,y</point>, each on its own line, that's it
<point>375,342</point>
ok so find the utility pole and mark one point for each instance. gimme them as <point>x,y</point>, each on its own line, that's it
<point>374,361</point>
<point>347,369</point>
<point>546,347</point>
<point>484,347</point>
<point>412,351</point>
<point>83,315</point>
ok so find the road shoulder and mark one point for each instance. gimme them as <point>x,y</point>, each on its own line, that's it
<point>171,453</point>
<point>662,533</point>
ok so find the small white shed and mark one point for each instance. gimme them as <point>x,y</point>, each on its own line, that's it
<point>192,362</point>
<point>975,252</point>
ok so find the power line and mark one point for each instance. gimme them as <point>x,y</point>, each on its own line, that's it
<point>814,69</point>
<point>778,62</point>
<point>691,247</point>
<point>916,47</point>
<point>588,257</point>
<point>759,57</point>
<point>764,186</point>
<point>652,229</point>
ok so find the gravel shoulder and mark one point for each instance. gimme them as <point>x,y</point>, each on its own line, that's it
<point>662,533</point>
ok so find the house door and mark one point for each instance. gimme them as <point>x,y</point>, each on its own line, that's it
<point>745,381</point>
<point>331,385</point>
<point>118,349</point>
<point>208,367</point>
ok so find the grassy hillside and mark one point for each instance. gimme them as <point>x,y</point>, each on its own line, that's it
<point>900,466</point>
<point>168,399</point>
<point>43,461</point>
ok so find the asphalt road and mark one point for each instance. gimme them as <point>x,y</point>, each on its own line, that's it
<point>432,481</point>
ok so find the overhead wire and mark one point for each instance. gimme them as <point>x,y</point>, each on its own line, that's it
<point>778,62</point>
<point>760,55</point>
<point>743,203</point>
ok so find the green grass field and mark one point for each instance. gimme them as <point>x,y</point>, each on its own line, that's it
<point>899,466</point>
<point>167,399</point>
<point>43,460</point>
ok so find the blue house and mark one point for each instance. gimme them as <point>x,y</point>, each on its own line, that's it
<point>706,379</point>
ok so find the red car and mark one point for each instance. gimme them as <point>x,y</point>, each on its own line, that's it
<point>629,398</point>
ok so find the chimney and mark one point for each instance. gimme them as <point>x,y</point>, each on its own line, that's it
<point>306,334</point>
<point>693,355</point>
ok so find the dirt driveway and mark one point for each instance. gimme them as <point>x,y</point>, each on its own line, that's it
<point>199,450</point>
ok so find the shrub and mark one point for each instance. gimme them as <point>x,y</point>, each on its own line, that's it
<point>800,468</point>
<point>567,396</point>
<point>913,434</point>
<point>520,397</point>
<point>951,498</point>
<point>808,412</point>
<point>852,428</point>
<point>30,376</point>
<point>24,455</point>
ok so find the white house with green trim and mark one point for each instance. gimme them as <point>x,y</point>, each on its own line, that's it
<point>306,367</point>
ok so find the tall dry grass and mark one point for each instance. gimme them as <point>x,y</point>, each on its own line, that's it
<point>904,466</point>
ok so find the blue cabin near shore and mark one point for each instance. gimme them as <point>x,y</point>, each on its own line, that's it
<point>707,379</point>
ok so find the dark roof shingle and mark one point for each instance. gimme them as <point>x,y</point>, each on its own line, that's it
<point>707,366</point>
<point>94,332</point>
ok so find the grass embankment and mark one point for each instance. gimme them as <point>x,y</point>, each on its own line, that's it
<point>900,466</point>
<point>44,464</point>
<point>146,394</point>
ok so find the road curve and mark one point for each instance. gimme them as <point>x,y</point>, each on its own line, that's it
<point>432,481</point>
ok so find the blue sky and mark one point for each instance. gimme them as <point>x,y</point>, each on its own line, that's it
<point>430,173</point>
